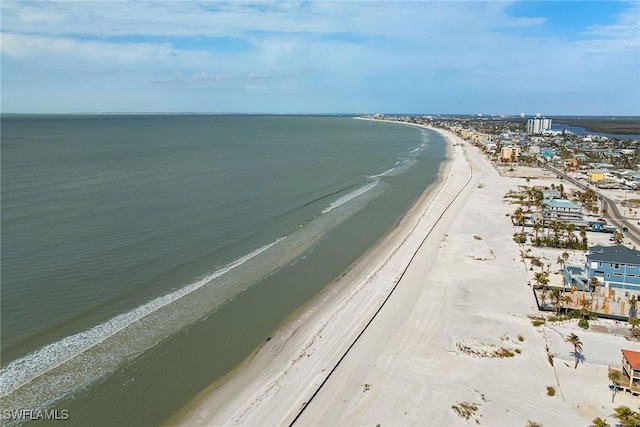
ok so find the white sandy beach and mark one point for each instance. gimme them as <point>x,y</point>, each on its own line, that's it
<point>455,285</point>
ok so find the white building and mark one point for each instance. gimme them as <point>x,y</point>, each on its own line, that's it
<point>561,210</point>
<point>538,125</point>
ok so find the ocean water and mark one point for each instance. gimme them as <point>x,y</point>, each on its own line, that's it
<point>144,257</point>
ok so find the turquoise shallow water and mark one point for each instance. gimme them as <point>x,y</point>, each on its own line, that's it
<point>143,257</point>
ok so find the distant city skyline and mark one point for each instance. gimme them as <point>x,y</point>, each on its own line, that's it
<point>449,57</point>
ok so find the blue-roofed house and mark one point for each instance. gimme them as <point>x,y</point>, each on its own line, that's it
<point>547,153</point>
<point>617,268</point>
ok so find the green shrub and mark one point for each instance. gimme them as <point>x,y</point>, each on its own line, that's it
<point>520,238</point>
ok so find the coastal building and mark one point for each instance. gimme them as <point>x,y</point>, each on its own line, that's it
<point>468,133</point>
<point>595,175</point>
<point>617,268</point>
<point>538,125</point>
<point>562,210</point>
<point>510,153</point>
<point>550,194</point>
<point>581,157</point>
<point>547,153</point>
<point>631,370</point>
<point>571,164</point>
<point>601,166</point>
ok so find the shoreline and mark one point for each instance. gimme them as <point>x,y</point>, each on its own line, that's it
<point>437,320</point>
<point>217,397</point>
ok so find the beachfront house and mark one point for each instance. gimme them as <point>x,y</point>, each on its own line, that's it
<point>551,194</point>
<point>617,268</point>
<point>561,210</point>
<point>631,370</point>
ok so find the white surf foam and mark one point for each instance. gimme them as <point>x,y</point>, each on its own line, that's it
<point>350,196</point>
<point>57,370</point>
<point>26,369</point>
<point>418,148</point>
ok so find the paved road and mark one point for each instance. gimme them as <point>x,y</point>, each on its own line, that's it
<point>613,214</point>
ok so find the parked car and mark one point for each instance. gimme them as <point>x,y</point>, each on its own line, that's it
<point>625,229</point>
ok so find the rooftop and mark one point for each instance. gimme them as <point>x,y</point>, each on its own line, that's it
<point>617,253</point>
<point>561,203</point>
<point>633,357</point>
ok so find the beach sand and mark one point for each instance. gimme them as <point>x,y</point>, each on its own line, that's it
<point>414,328</point>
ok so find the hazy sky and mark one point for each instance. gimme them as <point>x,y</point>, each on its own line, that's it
<point>321,57</point>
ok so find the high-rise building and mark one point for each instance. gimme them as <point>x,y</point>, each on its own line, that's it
<point>538,125</point>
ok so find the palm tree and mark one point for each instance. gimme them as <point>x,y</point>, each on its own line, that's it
<point>560,261</point>
<point>556,226</point>
<point>633,306</point>
<point>574,340</point>
<point>585,311</point>
<point>518,215</point>
<point>565,299</point>
<point>570,229</point>
<point>627,417</point>
<point>556,295</point>
<point>614,377</point>
<point>583,232</point>
<point>599,422</point>
<point>594,284</point>
<point>536,228</point>
<point>617,237</point>
<point>583,236</point>
<point>542,280</point>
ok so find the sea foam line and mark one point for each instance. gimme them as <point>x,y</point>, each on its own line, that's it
<point>350,196</point>
<point>24,370</point>
<point>418,148</point>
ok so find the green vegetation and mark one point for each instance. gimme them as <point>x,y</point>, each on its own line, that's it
<point>520,238</point>
<point>574,340</point>
<point>627,416</point>
<point>635,330</point>
<point>583,323</point>
<point>599,422</point>
<point>551,391</point>
<point>618,125</point>
<point>614,377</point>
<point>537,320</point>
<point>572,314</point>
<point>465,409</point>
<point>503,352</point>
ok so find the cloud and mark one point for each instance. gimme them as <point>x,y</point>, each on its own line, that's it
<point>251,80</point>
<point>329,53</point>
